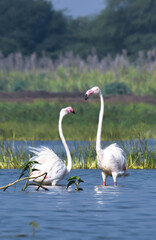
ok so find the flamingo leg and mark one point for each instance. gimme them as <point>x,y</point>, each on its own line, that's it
<point>104,178</point>
<point>114,175</point>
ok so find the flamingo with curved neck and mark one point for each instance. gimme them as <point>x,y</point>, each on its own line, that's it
<point>111,160</point>
<point>48,161</point>
<point>62,114</point>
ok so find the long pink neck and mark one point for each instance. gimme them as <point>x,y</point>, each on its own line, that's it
<point>98,138</point>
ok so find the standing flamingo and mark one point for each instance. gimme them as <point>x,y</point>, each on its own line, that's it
<point>48,161</point>
<point>111,160</point>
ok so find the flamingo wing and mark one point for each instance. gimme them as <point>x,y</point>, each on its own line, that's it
<point>112,158</point>
<point>43,155</point>
<point>58,172</point>
<point>55,172</point>
<point>116,152</point>
<point>49,162</point>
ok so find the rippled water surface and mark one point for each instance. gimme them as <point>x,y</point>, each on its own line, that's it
<point>127,211</point>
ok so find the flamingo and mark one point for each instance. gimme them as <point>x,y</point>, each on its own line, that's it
<point>48,161</point>
<point>111,160</point>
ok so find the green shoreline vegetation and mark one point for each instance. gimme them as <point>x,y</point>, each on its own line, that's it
<point>39,121</point>
<point>71,73</point>
<point>138,157</point>
<point>61,54</point>
<point>137,82</point>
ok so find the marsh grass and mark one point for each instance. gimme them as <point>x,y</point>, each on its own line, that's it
<point>10,159</point>
<point>138,154</point>
<point>84,156</point>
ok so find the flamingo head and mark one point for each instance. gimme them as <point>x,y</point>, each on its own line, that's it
<point>94,90</point>
<point>65,111</point>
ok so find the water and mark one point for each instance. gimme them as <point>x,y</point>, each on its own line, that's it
<point>127,211</point>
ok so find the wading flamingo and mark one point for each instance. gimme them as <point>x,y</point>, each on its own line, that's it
<point>48,161</point>
<point>111,160</point>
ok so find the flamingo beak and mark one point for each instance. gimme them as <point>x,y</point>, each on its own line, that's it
<point>73,112</point>
<point>86,96</point>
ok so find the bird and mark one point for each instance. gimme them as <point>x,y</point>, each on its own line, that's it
<point>48,162</point>
<point>111,160</point>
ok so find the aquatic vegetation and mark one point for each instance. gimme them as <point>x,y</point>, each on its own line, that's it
<point>76,181</point>
<point>9,158</point>
<point>25,167</point>
<point>138,154</point>
<point>35,226</point>
<point>84,156</point>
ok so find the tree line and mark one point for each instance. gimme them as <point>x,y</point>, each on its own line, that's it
<point>34,26</point>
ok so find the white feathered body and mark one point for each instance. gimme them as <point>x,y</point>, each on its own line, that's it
<point>48,162</point>
<point>112,160</point>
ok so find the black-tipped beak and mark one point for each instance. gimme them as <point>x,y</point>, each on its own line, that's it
<point>73,112</point>
<point>86,97</point>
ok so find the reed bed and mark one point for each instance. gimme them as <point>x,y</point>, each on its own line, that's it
<point>11,158</point>
<point>138,154</point>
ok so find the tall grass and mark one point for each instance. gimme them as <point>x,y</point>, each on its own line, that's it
<point>10,159</point>
<point>71,73</point>
<point>138,155</point>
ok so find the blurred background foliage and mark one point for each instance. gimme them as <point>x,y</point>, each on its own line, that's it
<point>43,49</point>
<point>70,74</point>
<point>34,26</point>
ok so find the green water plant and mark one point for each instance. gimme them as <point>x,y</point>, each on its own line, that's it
<point>10,159</point>
<point>141,156</point>
<point>76,181</point>
<point>35,226</point>
<point>27,167</point>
